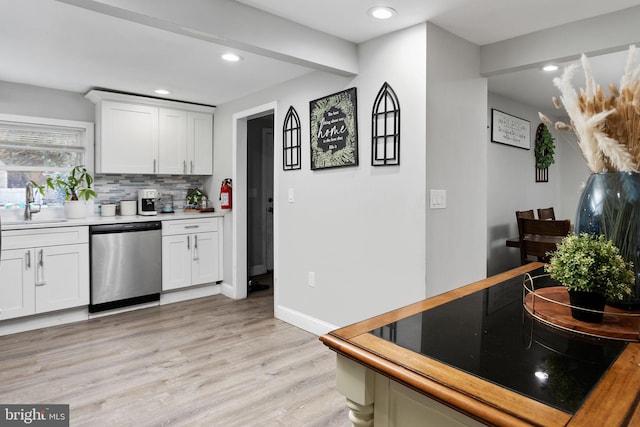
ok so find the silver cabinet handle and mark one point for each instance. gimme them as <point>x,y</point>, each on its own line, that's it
<point>188,242</point>
<point>184,166</point>
<point>27,256</point>
<point>191,161</point>
<point>40,270</point>
<point>191,226</point>
<point>154,165</point>
<point>196,257</point>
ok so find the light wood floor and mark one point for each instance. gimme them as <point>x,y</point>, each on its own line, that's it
<point>206,362</point>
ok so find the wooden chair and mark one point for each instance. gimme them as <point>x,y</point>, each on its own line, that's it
<point>523,214</point>
<point>546,213</point>
<point>541,236</point>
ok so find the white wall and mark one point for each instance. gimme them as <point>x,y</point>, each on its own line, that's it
<point>35,101</point>
<point>359,229</point>
<point>456,162</point>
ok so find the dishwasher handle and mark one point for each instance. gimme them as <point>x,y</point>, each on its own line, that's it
<point>125,227</point>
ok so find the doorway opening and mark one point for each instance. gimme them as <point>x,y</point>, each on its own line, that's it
<point>237,289</point>
<point>260,152</point>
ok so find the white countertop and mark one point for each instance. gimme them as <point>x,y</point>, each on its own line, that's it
<point>46,222</point>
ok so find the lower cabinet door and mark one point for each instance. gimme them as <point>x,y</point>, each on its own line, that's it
<point>206,267</point>
<point>176,261</point>
<point>61,277</point>
<point>17,293</point>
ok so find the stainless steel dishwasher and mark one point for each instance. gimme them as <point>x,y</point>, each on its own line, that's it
<point>126,264</point>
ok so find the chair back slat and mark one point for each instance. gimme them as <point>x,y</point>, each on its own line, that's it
<point>520,215</point>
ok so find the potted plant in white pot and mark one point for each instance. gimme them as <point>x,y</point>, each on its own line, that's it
<point>77,190</point>
<point>591,268</point>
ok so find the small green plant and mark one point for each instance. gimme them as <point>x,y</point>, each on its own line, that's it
<point>76,185</point>
<point>544,149</point>
<point>591,263</point>
<point>194,197</point>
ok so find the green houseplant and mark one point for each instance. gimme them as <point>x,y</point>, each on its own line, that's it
<point>76,186</point>
<point>590,267</point>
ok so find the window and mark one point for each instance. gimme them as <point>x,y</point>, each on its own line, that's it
<point>32,148</point>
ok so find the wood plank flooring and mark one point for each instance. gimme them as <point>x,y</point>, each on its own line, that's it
<point>206,362</point>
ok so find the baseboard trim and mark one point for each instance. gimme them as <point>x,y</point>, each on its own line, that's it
<point>44,320</point>
<point>189,293</point>
<point>303,321</point>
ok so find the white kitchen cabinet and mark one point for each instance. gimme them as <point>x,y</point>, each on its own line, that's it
<point>172,141</point>
<point>191,252</point>
<point>136,134</point>
<point>16,283</point>
<point>199,143</point>
<point>44,270</point>
<point>127,138</point>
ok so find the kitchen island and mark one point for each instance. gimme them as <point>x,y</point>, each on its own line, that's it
<point>474,356</point>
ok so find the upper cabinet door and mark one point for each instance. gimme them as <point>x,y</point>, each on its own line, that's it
<point>173,142</point>
<point>128,138</point>
<point>200,143</point>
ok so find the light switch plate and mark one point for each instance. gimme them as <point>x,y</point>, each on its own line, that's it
<point>291,197</point>
<point>438,199</point>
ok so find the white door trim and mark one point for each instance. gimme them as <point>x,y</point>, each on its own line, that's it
<point>239,210</point>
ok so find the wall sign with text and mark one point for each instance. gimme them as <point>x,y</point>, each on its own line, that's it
<point>510,130</point>
<point>334,130</point>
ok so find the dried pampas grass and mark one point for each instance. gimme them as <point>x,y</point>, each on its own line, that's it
<point>607,127</point>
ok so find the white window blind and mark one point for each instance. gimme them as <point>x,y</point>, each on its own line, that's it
<point>32,148</point>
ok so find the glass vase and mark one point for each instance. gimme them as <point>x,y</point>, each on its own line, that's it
<point>610,205</point>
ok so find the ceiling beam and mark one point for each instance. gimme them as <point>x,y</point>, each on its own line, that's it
<point>237,26</point>
<point>603,34</point>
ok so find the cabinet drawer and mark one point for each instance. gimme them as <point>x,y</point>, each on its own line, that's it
<point>185,226</point>
<point>17,239</point>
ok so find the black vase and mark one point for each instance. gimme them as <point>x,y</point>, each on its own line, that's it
<point>610,205</point>
<point>588,300</point>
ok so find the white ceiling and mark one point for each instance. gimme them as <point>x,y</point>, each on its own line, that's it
<point>60,45</point>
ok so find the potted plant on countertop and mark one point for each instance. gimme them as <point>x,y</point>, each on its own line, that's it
<point>77,190</point>
<point>591,268</point>
<point>195,197</point>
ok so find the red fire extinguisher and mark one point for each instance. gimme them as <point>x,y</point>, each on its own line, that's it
<point>225,194</point>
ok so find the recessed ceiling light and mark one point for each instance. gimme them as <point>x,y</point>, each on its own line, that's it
<point>550,67</point>
<point>162,92</point>
<point>382,12</point>
<point>231,57</point>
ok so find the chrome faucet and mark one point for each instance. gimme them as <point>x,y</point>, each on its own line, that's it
<point>30,207</point>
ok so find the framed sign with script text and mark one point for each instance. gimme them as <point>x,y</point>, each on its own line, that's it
<point>510,130</point>
<point>334,130</point>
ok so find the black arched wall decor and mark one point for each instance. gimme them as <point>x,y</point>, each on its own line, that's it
<point>385,128</point>
<point>291,143</point>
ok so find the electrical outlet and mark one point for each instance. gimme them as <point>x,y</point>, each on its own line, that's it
<point>312,279</point>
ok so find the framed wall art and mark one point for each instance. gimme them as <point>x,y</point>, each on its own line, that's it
<point>334,130</point>
<point>510,130</point>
